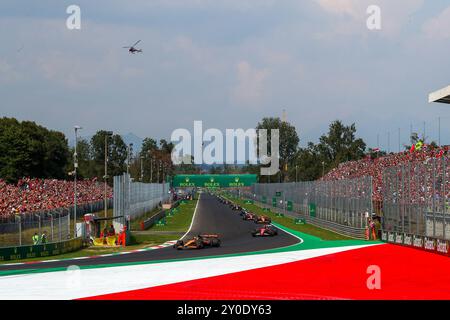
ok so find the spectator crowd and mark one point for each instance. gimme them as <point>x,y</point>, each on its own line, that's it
<point>30,195</point>
<point>375,167</point>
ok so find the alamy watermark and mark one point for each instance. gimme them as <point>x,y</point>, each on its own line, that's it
<point>373,21</point>
<point>374,280</point>
<point>73,22</point>
<point>234,142</point>
<point>73,277</point>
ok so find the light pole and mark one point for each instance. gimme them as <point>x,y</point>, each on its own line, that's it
<point>129,155</point>
<point>75,167</point>
<point>159,167</point>
<point>296,173</point>
<point>107,135</point>
<point>323,168</point>
<point>151,169</point>
<point>142,168</point>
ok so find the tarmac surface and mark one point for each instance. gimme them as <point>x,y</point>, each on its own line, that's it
<point>211,217</point>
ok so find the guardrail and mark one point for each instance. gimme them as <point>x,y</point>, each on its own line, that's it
<point>40,250</point>
<point>357,233</point>
<point>151,221</point>
<point>148,223</point>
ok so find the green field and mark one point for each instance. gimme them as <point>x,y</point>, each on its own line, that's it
<point>135,224</point>
<point>181,220</point>
<point>290,223</point>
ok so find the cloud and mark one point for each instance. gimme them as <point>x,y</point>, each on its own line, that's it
<point>239,5</point>
<point>342,7</point>
<point>250,84</point>
<point>395,15</point>
<point>7,73</point>
<point>438,27</point>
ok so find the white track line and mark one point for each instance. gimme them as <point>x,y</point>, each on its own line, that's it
<point>193,217</point>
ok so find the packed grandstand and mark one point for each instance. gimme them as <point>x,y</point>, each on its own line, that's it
<point>33,195</point>
<point>375,167</point>
<point>36,195</point>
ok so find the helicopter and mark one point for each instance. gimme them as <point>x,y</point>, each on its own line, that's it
<point>132,49</point>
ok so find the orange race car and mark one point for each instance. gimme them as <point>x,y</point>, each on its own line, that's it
<point>199,242</point>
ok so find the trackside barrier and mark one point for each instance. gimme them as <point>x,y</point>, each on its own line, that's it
<point>357,233</point>
<point>134,199</point>
<point>429,244</point>
<point>153,219</point>
<point>41,250</point>
<point>157,216</point>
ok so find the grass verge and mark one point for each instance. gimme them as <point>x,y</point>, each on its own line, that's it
<point>290,223</point>
<point>180,221</point>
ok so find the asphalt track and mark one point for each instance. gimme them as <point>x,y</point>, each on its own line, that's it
<point>211,217</point>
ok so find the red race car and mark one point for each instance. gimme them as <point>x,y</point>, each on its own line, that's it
<point>265,231</point>
<point>249,216</point>
<point>263,219</point>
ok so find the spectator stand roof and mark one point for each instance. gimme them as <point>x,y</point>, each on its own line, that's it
<point>441,96</point>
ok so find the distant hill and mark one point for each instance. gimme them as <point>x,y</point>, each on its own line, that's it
<point>135,140</point>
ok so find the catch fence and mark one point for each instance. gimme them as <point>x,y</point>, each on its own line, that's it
<point>134,199</point>
<point>342,206</point>
<point>416,199</point>
<point>19,229</point>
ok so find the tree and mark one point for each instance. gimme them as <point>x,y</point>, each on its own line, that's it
<point>308,164</point>
<point>289,140</point>
<point>28,149</point>
<point>116,154</point>
<point>85,163</point>
<point>340,145</point>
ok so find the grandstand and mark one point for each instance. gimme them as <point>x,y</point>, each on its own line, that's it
<point>30,195</point>
<point>375,167</point>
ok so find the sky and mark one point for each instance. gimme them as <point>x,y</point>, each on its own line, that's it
<point>228,63</point>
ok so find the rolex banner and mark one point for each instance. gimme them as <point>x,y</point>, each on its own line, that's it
<point>41,250</point>
<point>214,180</point>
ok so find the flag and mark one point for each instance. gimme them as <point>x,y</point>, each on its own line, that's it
<point>376,150</point>
<point>440,154</point>
<point>413,147</point>
<point>419,145</point>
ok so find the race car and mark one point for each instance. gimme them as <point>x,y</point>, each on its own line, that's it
<point>243,212</point>
<point>262,219</point>
<point>199,242</point>
<point>265,231</point>
<point>236,207</point>
<point>249,216</point>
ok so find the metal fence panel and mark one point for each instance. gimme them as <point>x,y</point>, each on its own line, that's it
<point>345,202</point>
<point>58,224</point>
<point>134,199</point>
<point>415,198</point>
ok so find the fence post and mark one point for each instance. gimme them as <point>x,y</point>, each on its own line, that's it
<point>59,224</point>
<point>51,224</point>
<point>68,223</point>
<point>444,198</point>
<point>20,230</point>
<point>39,216</point>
